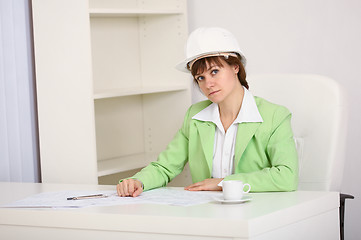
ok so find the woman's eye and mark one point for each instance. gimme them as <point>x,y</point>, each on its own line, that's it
<point>200,78</point>
<point>214,71</point>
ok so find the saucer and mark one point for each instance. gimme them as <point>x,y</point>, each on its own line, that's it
<point>242,200</point>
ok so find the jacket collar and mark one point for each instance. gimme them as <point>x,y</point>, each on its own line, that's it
<point>245,133</point>
<point>248,112</point>
<point>206,131</point>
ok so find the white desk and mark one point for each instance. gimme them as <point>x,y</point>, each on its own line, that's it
<point>283,215</point>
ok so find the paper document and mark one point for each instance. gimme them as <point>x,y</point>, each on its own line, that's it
<point>167,196</point>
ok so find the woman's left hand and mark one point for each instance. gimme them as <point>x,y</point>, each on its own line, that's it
<point>209,184</point>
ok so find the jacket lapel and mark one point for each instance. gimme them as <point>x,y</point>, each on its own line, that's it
<point>245,133</point>
<point>206,132</point>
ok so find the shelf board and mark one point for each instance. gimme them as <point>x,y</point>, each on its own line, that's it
<point>125,163</point>
<point>136,91</point>
<point>110,12</point>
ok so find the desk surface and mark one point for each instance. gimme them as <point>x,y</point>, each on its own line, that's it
<point>266,212</point>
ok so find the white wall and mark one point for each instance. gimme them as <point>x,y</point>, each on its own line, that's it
<point>301,36</point>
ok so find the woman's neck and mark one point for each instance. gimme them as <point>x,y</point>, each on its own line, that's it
<point>230,107</point>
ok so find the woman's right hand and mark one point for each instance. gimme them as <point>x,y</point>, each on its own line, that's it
<point>129,188</point>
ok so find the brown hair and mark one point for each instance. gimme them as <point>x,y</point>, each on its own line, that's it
<point>201,65</point>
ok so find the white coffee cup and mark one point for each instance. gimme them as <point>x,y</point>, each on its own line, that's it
<point>234,189</point>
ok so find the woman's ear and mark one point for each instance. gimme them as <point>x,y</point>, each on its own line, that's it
<point>236,68</point>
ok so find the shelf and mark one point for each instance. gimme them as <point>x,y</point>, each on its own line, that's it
<point>109,12</point>
<point>126,163</point>
<point>136,91</point>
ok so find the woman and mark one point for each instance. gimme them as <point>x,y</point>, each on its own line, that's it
<point>232,135</point>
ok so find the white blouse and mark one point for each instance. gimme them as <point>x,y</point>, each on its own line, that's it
<point>224,142</point>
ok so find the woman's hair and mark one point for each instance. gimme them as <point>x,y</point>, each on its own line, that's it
<point>201,65</point>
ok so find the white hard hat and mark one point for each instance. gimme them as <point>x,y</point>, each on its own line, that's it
<point>206,42</point>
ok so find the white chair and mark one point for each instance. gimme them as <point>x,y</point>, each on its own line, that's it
<point>319,122</point>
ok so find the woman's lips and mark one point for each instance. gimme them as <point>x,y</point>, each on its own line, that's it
<point>214,92</point>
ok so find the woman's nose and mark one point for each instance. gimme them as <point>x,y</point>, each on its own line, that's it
<point>209,81</point>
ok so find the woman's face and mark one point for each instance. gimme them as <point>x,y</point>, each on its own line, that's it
<point>218,83</point>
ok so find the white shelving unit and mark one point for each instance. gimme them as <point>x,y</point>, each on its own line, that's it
<point>137,91</point>
<point>134,51</point>
<point>125,163</point>
<point>110,12</point>
<point>120,85</point>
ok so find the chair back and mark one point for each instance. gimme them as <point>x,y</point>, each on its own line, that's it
<point>319,124</point>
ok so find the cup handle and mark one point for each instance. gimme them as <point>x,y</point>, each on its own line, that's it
<point>249,188</point>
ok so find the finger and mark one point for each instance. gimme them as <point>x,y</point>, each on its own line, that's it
<point>118,189</point>
<point>138,191</point>
<point>199,188</point>
<point>125,188</point>
<point>192,186</point>
<point>121,189</point>
<point>131,187</point>
<point>195,187</point>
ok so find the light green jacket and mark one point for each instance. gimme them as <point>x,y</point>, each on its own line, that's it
<point>265,153</point>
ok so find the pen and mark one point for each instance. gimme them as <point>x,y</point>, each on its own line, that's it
<point>87,197</point>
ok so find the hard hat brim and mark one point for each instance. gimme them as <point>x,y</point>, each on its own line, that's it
<point>182,66</point>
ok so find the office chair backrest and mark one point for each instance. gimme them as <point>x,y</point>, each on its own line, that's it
<point>318,121</point>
